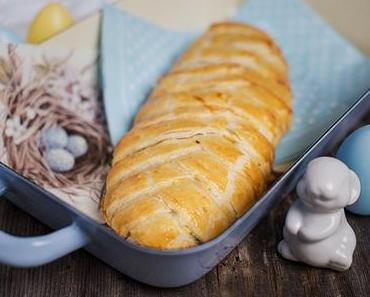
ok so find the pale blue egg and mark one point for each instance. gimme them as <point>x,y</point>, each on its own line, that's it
<point>77,145</point>
<point>60,160</point>
<point>8,36</point>
<point>355,152</point>
<point>54,137</point>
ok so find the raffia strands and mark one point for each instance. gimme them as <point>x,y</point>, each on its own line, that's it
<point>23,153</point>
<point>201,150</point>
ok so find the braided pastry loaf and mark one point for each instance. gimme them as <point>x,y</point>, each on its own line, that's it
<point>201,150</point>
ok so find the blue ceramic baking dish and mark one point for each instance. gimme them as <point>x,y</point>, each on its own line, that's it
<point>153,267</point>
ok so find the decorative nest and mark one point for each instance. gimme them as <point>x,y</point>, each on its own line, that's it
<point>53,95</point>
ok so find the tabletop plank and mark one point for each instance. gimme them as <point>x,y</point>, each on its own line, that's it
<point>254,268</point>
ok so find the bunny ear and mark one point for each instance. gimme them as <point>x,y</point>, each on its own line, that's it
<point>356,187</point>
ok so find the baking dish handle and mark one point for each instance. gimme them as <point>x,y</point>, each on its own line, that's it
<point>38,250</point>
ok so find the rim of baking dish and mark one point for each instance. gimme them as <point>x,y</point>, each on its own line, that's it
<point>203,246</point>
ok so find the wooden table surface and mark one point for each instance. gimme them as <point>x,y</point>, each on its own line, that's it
<point>252,269</point>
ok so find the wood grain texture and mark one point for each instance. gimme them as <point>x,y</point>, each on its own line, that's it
<point>252,269</point>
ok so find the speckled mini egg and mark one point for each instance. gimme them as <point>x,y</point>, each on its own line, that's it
<point>8,36</point>
<point>54,137</point>
<point>77,145</point>
<point>60,160</point>
<point>50,20</point>
<point>355,152</point>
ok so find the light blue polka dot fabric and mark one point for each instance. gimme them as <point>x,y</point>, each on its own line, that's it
<point>135,54</point>
<point>328,74</point>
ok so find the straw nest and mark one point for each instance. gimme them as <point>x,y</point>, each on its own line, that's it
<point>46,95</point>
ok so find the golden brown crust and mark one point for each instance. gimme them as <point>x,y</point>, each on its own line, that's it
<point>201,150</point>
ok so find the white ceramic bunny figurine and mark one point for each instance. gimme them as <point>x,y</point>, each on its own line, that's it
<point>316,230</point>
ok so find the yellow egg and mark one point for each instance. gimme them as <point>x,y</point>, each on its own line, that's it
<point>50,20</point>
